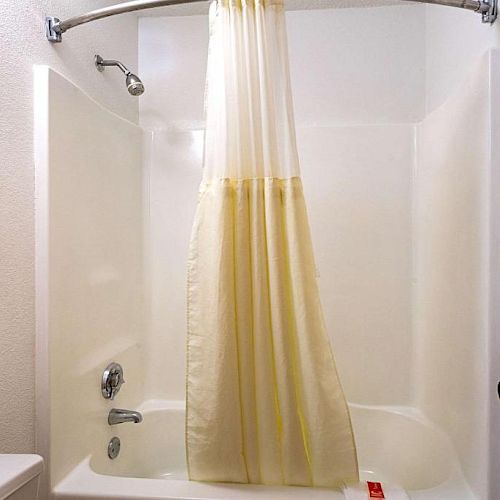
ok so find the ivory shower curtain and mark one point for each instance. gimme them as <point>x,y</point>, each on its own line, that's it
<point>264,403</point>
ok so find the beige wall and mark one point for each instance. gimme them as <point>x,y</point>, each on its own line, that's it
<point>23,44</point>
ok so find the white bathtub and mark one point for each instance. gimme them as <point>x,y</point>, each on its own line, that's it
<point>395,445</point>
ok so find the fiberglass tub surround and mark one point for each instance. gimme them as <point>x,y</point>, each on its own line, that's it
<point>394,446</point>
<point>399,225</point>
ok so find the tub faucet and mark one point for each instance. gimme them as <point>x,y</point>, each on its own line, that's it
<point>118,416</point>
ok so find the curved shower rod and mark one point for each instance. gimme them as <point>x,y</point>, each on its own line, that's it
<point>54,27</point>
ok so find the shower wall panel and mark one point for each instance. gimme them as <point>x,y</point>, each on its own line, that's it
<point>358,187</point>
<point>454,41</point>
<point>493,345</point>
<point>353,105</point>
<point>348,66</point>
<point>174,171</point>
<point>357,66</point>
<point>452,234</point>
<point>363,253</point>
<point>89,267</point>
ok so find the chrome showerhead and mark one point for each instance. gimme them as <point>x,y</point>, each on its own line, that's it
<point>134,84</point>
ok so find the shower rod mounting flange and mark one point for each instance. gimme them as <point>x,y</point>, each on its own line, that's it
<point>489,11</point>
<point>54,27</point>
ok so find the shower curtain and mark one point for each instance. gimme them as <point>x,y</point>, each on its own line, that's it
<point>264,402</point>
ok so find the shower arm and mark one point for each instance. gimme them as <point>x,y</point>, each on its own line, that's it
<point>54,27</point>
<point>101,63</point>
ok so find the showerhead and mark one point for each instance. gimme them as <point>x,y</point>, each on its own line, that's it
<point>134,84</point>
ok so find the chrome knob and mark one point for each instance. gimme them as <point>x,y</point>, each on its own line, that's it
<point>112,380</point>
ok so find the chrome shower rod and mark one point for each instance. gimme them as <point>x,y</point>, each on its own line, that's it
<point>54,27</point>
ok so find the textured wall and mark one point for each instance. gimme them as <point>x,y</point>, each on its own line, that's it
<point>19,50</point>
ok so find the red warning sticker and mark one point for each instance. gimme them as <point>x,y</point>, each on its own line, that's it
<point>375,490</point>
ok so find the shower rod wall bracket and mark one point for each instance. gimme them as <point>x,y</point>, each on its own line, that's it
<point>54,27</point>
<point>489,10</point>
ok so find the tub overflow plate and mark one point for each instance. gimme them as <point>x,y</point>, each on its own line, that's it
<point>114,447</point>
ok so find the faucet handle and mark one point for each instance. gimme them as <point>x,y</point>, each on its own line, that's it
<point>112,380</point>
<point>116,382</point>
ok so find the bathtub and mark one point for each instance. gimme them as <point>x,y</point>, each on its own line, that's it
<point>395,445</point>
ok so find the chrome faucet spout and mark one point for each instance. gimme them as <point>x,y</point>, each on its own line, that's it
<point>119,416</point>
